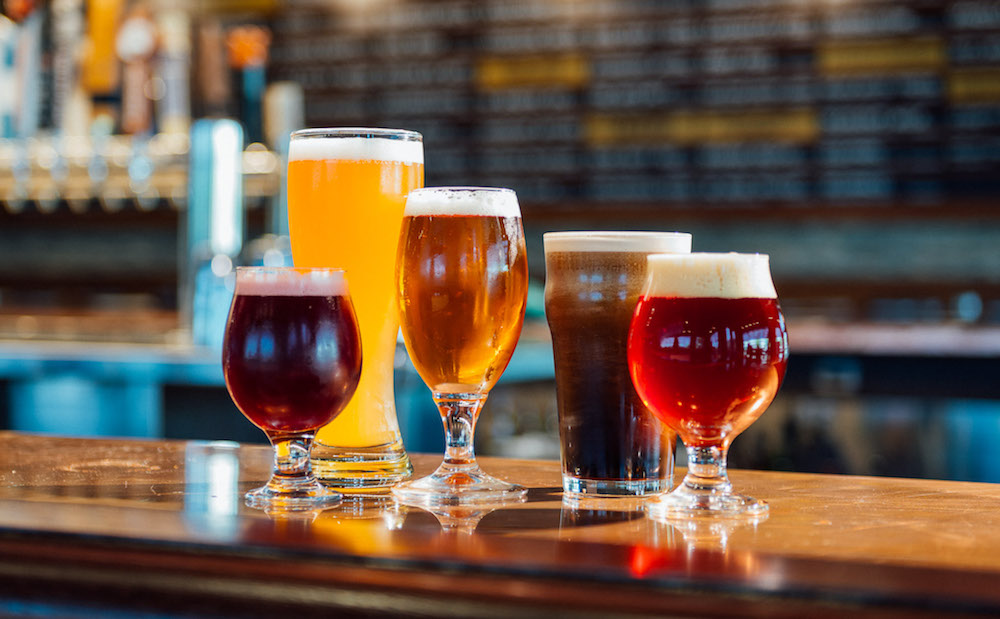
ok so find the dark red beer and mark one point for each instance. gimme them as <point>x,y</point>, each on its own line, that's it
<point>291,362</point>
<point>707,367</point>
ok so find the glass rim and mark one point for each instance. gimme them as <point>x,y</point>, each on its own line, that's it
<point>463,189</point>
<point>405,135</point>
<point>709,256</point>
<point>288,269</point>
<point>649,241</point>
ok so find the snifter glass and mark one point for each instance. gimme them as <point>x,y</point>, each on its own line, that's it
<point>291,358</point>
<point>707,352</point>
<point>462,284</point>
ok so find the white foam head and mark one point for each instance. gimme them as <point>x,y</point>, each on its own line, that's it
<point>290,282</point>
<point>707,275</point>
<point>478,201</point>
<point>618,241</point>
<point>356,144</point>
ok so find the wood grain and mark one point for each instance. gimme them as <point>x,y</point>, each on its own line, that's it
<point>159,526</point>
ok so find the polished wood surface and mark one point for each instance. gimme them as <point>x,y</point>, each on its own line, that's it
<point>159,526</point>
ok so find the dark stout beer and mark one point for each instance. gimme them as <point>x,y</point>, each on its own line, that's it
<point>611,443</point>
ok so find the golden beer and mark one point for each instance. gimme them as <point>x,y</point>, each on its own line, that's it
<point>462,285</point>
<point>346,193</point>
<point>465,279</point>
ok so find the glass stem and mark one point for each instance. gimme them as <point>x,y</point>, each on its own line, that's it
<point>291,455</point>
<point>707,470</point>
<point>459,412</point>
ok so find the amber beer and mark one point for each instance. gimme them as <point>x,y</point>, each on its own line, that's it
<point>462,286</point>
<point>346,192</point>
<point>462,280</point>
<point>611,443</point>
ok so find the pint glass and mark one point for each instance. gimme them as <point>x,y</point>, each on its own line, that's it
<point>611,444</point>
<point>346,192</point>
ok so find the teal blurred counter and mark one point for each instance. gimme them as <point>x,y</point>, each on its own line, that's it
<point>116,389</point>
<point>98,389</point>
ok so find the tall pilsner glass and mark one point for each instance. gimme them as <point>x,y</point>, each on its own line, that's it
<point>462,277</point>
<point>346,192</point>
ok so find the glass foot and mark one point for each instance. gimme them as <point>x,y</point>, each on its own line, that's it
<point>293,494</point>
<point>687,502</point>
<point>580,487</point>
<point>361,469</point>
<point>458,487</point>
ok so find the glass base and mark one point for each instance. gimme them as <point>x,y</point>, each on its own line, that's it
<point>581,488</point>
<point>293,494</point>
<point>688,502</point>
<point>361,469</point>
<point>465,486</point>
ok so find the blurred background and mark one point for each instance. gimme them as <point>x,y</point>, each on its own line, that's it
<point>855,141</point>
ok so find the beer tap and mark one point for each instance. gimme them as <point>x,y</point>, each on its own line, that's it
<point>21,170</point>
<point>135,46</point>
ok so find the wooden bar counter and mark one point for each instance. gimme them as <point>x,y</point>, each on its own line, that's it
<point>157,528</point>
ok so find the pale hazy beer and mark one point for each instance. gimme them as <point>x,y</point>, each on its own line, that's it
<point>462,286</point>
<point>611,444</point>
<point>346,192</point>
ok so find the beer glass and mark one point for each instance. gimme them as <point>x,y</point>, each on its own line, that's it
<point>462,285</point>
<point>611,444</point>
<point>346,191</point>
<point>291,358</point>
<point>707,352</point>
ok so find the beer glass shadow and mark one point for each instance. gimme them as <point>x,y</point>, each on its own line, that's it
<point>483,519</point>
<point>543,495</point>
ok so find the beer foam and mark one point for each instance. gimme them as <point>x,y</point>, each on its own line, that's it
<point>375,147</point>
<point>479,201</point>
<point>290,282</point>
<point>708,275</point>
<point>615,241</point>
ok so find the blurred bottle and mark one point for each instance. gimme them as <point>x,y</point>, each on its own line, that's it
<point>213,227</point>
<point>173,73</point>
<point>135,45</point>
<point>8,77</point>
<point>99,71</point>
<point>284,112</point>
<point>247,50</point>
<point>212,76</point>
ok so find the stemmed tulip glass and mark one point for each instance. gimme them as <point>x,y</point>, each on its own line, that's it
<point>292,360</point>
<point>707,352</point>
<point>462,282</point>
